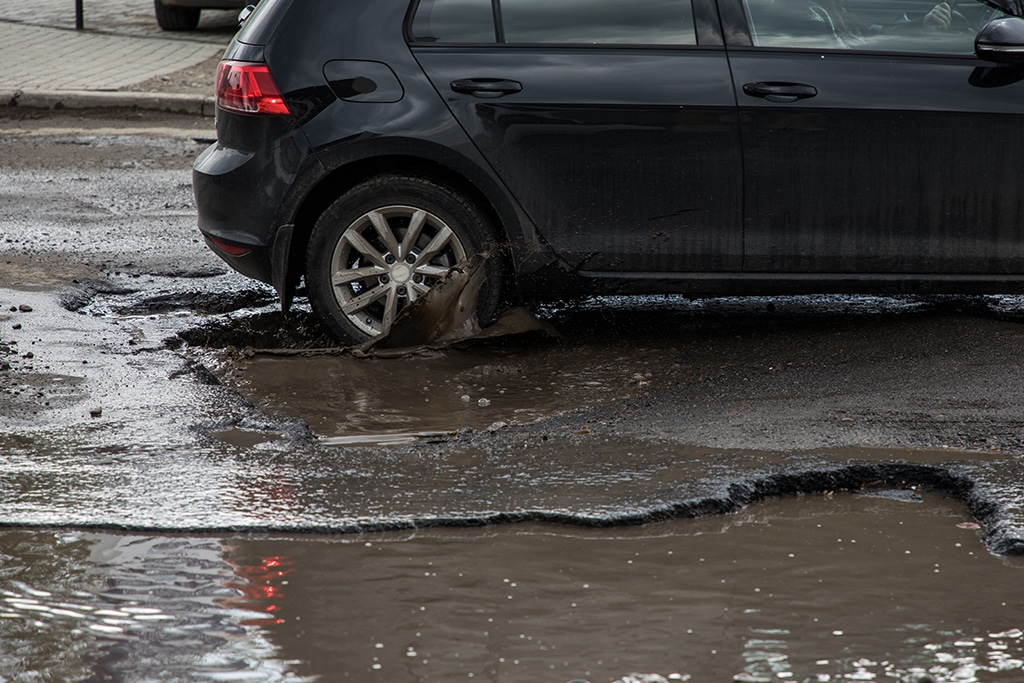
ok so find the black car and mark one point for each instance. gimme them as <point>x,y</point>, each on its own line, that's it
<point>704,147</point>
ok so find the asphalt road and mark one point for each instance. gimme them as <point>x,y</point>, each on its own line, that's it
<point>131,357</point>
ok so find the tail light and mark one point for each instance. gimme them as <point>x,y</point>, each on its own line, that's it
<point>248,87</point>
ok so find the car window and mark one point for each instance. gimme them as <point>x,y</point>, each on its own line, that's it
<point>947,27</point>
<point>591,22</point>
<point>454,21</point>
<point>599,21</point>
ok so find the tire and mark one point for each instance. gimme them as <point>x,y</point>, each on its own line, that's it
<point>356,281</point>
<point>176,18</point>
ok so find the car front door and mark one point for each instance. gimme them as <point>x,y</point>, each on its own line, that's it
<point>612,123</point>
<point>875,142</point>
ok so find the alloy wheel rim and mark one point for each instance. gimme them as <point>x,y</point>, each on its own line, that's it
<point>388,258</point>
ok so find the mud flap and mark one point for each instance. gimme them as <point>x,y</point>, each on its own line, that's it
<point>280,249</point>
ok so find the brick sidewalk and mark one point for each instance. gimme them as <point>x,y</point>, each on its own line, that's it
<point>36,58</point>
<point>120,17</point>
<point>113,63</point>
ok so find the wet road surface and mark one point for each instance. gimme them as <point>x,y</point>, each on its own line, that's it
<point>145,390</point>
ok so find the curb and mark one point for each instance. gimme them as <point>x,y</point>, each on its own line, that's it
<point>198,105</point>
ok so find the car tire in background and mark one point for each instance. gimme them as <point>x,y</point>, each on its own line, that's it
<point>384,243</point>
<point>171,18</point>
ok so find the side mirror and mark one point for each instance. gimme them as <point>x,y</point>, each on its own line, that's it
<point>244,14</point>
<point>1002,41</point>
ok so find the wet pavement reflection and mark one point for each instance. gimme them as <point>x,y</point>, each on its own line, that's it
<point>181,501</point>
<point>572,431</point>
<point>94,607</point>
<point>474,583</point>
<point>815,588</point>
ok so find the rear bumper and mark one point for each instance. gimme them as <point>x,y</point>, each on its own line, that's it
<point>238,198</point>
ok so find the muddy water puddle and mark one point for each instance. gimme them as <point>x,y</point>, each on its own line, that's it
<point>821,588</point>
<point>728,373</point>
<point>366,400</point>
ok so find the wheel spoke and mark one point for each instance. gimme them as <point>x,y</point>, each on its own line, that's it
<point>344,277</point>
<point>383,228</point>
<point>416,290</point>
<point>412,235</point>
<point>427,270</point>
<point>365,248</point>
<point>365,299</point>
<point>390,310</point>
<point>440,241</point>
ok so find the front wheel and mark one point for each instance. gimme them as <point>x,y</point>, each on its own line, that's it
<point>383,244</point>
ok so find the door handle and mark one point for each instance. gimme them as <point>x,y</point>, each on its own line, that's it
<point>774,91</point>
<point>486,87</point>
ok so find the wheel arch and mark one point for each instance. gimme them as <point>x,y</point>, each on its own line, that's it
<point>507,220</point>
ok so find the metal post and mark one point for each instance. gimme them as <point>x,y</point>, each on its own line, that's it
<point>79,15</point>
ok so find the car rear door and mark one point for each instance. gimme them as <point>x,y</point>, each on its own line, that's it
<point>875,143</point>
<point>611,123</point>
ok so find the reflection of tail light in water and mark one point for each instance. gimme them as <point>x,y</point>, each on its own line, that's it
<point>259,588</point>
